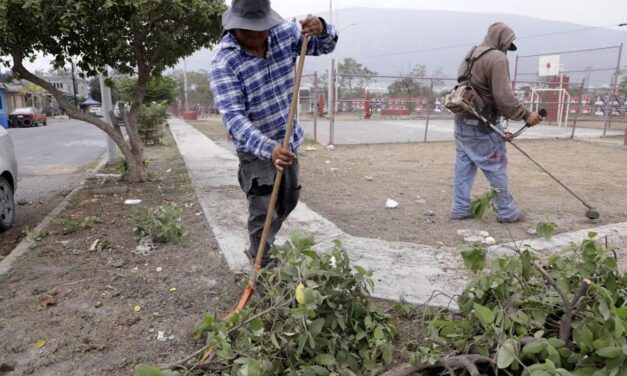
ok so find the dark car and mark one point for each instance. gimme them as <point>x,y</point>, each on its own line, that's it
<point>27,117</point>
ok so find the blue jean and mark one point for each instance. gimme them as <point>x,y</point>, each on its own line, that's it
<point>476,148</point>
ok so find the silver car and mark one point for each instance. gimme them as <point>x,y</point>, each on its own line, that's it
<point>8,180</point>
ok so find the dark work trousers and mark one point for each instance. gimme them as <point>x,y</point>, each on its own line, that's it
<point>256,178</point>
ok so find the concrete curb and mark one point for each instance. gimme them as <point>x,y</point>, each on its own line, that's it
<point>26,245</point>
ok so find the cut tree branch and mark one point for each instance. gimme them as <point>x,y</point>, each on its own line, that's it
<point>468,362</point>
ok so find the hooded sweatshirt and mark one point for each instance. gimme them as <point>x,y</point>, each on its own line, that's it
<point>490,75</point>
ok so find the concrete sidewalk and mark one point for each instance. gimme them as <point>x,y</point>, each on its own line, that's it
<point>400,269</point>
<point>407,270</point>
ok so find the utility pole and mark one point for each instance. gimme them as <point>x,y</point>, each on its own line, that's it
<point>185,84</point>
<point>74,84</point>
<point>107,109</point>
<point>331,83</point>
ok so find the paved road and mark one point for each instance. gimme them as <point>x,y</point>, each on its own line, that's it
<point>51,158</point>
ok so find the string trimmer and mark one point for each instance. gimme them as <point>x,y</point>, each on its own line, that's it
<point>591,213</point>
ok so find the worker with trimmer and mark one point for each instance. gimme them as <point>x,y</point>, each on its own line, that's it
<point>485,69</point>
<point>252,78</point>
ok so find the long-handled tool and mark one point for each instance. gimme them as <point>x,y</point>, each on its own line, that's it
<point>591,213</point>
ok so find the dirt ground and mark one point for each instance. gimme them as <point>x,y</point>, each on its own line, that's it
<point>27,216</point>
<point>419,177</point>
<point>350,185</point>
<point>81,304</point>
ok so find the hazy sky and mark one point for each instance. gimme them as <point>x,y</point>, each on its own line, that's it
<point>586,12</point>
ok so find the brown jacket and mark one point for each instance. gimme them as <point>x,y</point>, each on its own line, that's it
<point>490,74</point>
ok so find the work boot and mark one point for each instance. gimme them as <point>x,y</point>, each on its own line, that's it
<point>518,218</point>
<point>462,217</point>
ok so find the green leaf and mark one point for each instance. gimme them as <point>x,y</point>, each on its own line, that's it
<point>557,343</point>
<point>388,353</point>
<point>533,348</point>
<point>507,354</point>
<point>619,328</point>
<point>609,352</point>
<point>484,314</point>
<point>275,342</point>
<point>546,229</point>
<point>622,312</point>
<point>378,332</point>
<point>583,338</point>
<point>474,256</point>
<point>325,360</point>
<point>148,370</point>
<point>256,327</point>
<point>316,326</point>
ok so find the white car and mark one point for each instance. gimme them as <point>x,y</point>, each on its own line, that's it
<point>8,180</point>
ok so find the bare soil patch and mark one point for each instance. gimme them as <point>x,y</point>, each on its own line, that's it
<point>27,216</point>
<point>350,185</point>
<point>82,304</point>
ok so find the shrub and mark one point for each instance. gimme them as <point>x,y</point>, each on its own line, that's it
<point>159,224</point>
<point>150,123</point>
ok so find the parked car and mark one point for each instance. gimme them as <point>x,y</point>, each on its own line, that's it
<point>27,117</point>
<point>96,111</point>
<point>8,180</point>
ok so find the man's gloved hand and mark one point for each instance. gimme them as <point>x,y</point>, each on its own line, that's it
<point>282,157</point>
<point>533,119</point>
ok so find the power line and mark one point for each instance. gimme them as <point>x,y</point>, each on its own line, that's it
<point>472,44</point>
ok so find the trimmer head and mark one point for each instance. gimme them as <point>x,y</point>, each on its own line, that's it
<point>592,214</point>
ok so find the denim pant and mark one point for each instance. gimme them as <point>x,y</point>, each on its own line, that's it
<point>478,148</point>
<point>256,178</point>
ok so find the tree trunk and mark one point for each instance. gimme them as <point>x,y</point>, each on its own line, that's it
<point>134,159</point>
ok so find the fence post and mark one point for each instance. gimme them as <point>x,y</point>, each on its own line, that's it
<point>315,107</point>
<point>428,109</point>
<point>331,106</point>
<point>608,116</point>
<point>572,133</point>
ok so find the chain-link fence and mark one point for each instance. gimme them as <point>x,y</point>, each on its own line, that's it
<point>582,92</point>
<point>582,100</point>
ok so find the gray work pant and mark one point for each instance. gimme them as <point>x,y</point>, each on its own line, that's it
<point>256,178</point>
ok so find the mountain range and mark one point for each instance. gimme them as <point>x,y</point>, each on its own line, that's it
<point>392,41</point>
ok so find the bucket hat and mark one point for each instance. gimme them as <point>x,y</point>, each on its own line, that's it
<point>255,15</point>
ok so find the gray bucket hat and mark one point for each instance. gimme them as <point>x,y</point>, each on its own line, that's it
<point>253,15</point>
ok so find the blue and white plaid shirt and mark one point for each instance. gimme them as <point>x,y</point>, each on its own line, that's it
<point>254,94</point>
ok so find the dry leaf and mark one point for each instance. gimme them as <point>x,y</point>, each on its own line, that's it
<point>48,301</point>
<point>40,343</point>
<point>137,308</point>
<point>94,245</point>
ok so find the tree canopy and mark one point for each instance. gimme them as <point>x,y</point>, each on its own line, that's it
<point>133,37</point>
<point>352,74</point>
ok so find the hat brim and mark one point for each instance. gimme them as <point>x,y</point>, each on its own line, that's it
<point>231,21</point>
<point>512,47</point>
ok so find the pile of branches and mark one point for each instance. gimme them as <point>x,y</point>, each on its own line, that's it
<point>312,315</point>
<point>564,315</point>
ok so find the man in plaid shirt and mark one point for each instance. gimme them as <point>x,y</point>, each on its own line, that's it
<point>252,77</point>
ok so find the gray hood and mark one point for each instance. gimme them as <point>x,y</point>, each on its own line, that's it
<point>499,36</point>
